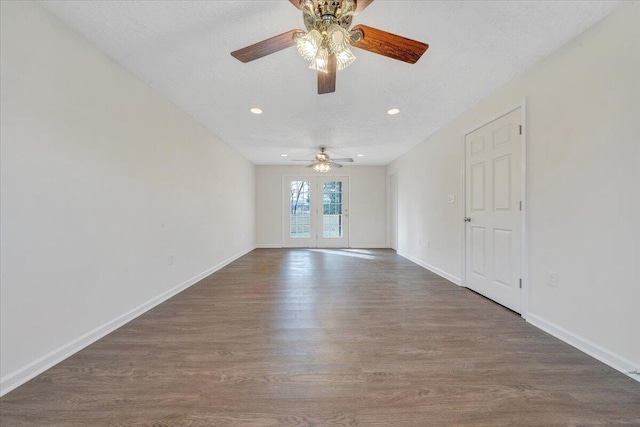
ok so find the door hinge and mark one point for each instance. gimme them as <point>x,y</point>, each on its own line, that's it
<point>520,283</point>
<point>520,127</point>
<point>520,204</point>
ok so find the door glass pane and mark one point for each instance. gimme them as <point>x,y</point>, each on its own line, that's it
<point>332,209</point>
<point>300,218</point>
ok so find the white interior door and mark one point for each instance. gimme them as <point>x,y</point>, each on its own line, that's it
<point>493,217</point>
<point>316,211</point>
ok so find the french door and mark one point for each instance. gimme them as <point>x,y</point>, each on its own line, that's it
<point>316,212</point>
<point>493,217</point>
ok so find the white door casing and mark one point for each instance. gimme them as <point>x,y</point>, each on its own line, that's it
<point>315,211</point>
<point>493,217</point>
<point>393,211</point>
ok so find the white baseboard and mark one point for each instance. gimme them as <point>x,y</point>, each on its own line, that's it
<point>354,246</point>
<point>594,350</point>
<point>431,268</point>
<point>38,366</point>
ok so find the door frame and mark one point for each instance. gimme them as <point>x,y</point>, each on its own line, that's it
<point>283,200</point>
<point>523,232</point>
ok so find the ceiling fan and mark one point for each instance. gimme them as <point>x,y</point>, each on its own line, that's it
<point>323,163</point>
<point>326,42</point>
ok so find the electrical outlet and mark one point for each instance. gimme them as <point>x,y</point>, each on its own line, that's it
<point>170,259</point>
<point>552,279</point>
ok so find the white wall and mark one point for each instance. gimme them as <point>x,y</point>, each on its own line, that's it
<point>367,201</point>
<point>583,127</point>
<point>102,180</point>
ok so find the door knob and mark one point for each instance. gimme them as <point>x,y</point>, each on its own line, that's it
<point>467,219</point>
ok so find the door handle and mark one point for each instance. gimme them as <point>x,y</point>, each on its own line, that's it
<point>467,219</point>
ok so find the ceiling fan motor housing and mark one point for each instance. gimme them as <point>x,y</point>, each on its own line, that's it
<point>322,155</point>
<point>320,14</point>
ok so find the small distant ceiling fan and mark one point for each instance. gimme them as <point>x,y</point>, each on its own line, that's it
<point>323,162</point>
<point>326,42</point>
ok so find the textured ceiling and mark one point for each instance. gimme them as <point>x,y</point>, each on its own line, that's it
<point>181,48</point>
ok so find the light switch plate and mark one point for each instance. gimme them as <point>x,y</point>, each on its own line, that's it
<point>451,198</point>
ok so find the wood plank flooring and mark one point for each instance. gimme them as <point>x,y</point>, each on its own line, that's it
<point>326,338</point>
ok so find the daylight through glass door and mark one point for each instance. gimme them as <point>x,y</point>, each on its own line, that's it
<point>300,215</point>
<point>315,212</point>
<point>332,209</point>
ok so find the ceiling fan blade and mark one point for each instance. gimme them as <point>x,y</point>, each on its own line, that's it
<point>335,165</point>
<point>266,47</point>
<point>301,160</point>
<point>345,160</point>
<point>390,45</point>
<point>360,5</point>
<point>327,81</point>
<point>296,3</point>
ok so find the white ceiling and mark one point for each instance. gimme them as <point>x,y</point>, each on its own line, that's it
<point>181,49</point>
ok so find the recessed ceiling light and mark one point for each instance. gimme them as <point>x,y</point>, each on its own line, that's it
<point>283,155</point>
<point>360,155</point>
<point>256,110</point>
<point>393,111</point>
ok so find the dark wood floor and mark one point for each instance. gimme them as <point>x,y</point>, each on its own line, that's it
<point>326,338</point>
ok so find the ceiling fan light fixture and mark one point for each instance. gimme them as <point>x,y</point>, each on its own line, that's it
<point>316,46</point>
<point>344,59</point>
<point>338,41</point>
<point>308,44</point>
<point>337,37</point>
<point>322,167</point>
<point>321,61</point>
